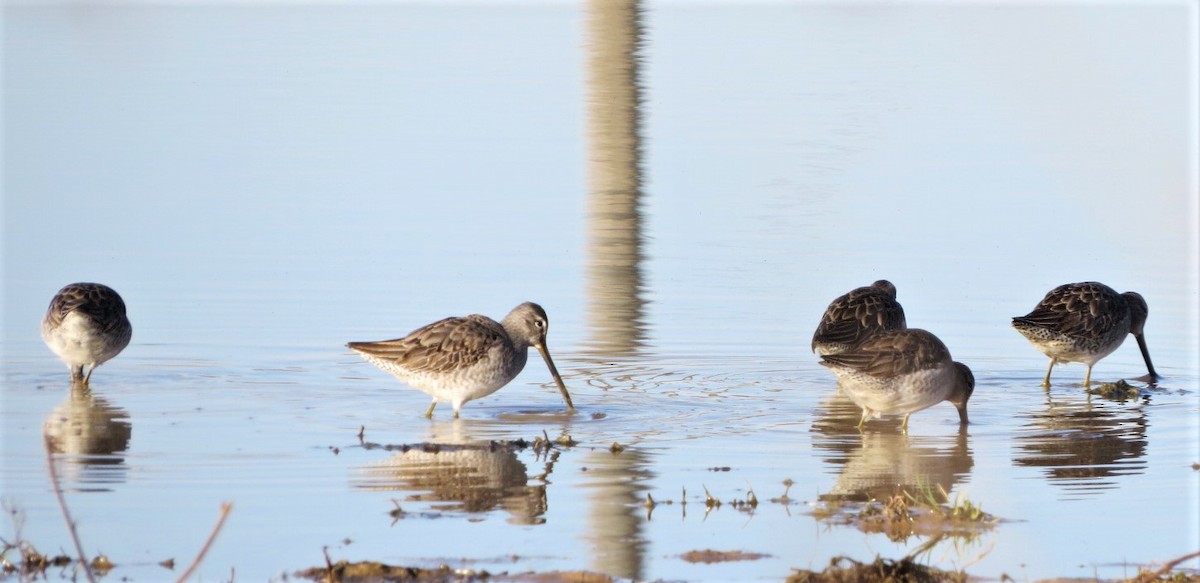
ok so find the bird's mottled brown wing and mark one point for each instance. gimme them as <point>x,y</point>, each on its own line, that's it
<point>1078,309</point>
<point>449,344</point>
<point>100,302</point>
<point>892,353</point>
<point>857,314</point>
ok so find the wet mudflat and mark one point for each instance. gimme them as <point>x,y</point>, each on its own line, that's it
<point>265,183</point>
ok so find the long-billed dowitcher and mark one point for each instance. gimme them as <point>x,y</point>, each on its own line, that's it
<point>900,372</point>
<point>858,314</point>
<point>461,359</point>
<point>1085,322</point>
<point>86,325</point>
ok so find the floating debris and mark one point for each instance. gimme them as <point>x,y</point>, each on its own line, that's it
<point>787,486</point>
<point>1167,573</point>
<point>847,570</point>
<point>538,445</point>
<point>396,513</point>
<point>347,572</point>
<point>709,556</point>
<point>376,572</point>
<point>901,515</point>
<point>1118,391</point>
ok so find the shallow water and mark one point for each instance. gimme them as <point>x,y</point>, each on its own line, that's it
<point>264,183</point>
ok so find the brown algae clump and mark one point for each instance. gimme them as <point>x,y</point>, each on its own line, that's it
<point>1118,391</point>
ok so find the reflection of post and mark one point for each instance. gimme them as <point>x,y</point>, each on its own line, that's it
<point>616,489</point>
<point>614,178</point>
<point>615,305</point>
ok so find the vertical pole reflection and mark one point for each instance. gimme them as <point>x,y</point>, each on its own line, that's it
<point>616,484</point>
<point>615,305</point>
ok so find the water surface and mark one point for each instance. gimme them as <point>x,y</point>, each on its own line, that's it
<point>263,183</point>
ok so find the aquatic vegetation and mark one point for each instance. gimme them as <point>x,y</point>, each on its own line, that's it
<point>927,512</point>
<point>1118,391</point>
<point>960,509</point>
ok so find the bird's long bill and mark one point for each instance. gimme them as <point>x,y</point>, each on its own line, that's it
<point>562,388</point>
<point>1141,340</point>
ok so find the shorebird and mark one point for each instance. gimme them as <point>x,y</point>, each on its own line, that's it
<point>900,372</point>
<point>461,359</point>
<point>86,325</point>
<point>1085,322</point>
<point>858,314</point>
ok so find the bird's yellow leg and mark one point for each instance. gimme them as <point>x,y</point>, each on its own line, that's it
<point>904,423</point>
<point>1046,381</point>
<point>1087,379</point>
<point>429,411</point>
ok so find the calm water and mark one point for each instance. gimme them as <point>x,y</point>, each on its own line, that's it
<point>263,183</point>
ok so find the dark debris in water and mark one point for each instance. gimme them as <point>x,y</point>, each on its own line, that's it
<point>847,570</point>
<point>538,444</point>
<point>376,572</point>
<point>709,556</point>
<point>1118,391</point>
<point>33,564</point>
<point>928,513</point>
<point>426,447</point>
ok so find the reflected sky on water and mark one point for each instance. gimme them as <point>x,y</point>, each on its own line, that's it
<point>263,182</point>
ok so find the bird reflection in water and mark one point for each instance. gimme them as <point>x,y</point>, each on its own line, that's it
<point>876,468</point>
<point>89,435</point>
<point>879,464</point>
<point>457,472</point>
<point>1085,445</point>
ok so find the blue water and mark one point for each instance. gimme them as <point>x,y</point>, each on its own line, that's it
<point>265,182</point>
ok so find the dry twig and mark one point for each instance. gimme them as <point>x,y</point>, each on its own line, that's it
<point>62,503</point>
<point>225,508</point>
<point>1146,576</point>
